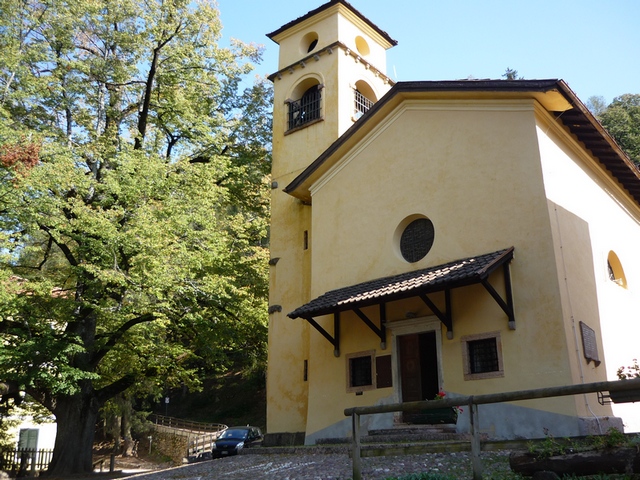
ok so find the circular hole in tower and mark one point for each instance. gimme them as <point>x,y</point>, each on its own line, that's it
<point>362,46</point>
<point>309,42</point>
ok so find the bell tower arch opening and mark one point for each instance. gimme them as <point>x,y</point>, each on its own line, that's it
<point>364,98</point>
<point>305,103</point>
<point>309,42</point>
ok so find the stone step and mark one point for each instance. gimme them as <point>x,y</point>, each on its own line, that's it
<point>413,448</point>
<point>415,429</point>
<point>416,437</point>
<point>404,434</point>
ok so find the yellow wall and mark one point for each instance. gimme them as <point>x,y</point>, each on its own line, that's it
<point>474,170</point>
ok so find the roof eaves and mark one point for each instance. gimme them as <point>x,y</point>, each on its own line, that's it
<point>612,157</point>
<point>325,6</point>
<point>420,86</point>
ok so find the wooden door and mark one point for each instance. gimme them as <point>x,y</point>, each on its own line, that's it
<point>410,368</point>
<point>418,359</point>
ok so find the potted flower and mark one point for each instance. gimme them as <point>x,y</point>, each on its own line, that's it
<point>441,415</point>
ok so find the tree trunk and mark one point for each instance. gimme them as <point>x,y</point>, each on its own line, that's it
<point>127,409</point>
<point>76,419</point>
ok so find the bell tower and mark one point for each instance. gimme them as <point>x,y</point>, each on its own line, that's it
<point>331,70</point>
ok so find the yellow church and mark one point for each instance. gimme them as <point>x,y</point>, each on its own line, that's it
<point>469,237</point>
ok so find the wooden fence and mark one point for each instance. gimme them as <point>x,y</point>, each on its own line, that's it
<point>25,460</point>
<point>179,424</point>
<point>631,387</point>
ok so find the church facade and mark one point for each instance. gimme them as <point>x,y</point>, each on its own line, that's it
<point>465,237</point>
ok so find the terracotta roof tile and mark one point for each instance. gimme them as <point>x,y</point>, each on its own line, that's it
<point>466,271</point>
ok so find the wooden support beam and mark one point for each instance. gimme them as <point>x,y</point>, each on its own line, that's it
<point>336,334</point>
<point>378,331</point>
<point>334,340</point>
<point>506,307</point>
<point>509,291</point>
<point>444,317</point>
<point>383,326</point>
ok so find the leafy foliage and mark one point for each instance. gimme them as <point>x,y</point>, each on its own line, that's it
<point>552,446</point>
<point>622,120</point>
<point>511,74</point>
<point>629,372</point>
<point>133,202</point>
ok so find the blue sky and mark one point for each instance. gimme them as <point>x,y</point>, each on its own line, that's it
<point>594,45</point>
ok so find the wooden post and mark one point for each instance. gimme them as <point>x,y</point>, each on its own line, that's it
<point>112,462</point>
<point>476,462</point>
<point>34,455</point>
<point>355,456</point>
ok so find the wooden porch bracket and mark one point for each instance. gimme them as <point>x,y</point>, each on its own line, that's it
<point>507,306</point>
<point>333,340</point>
<point>380,332</point>
<point>444,317</point>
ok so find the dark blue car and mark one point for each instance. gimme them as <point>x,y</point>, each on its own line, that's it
<point>234,439</point>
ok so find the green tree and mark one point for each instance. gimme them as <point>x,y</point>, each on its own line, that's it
<point>133,204</point>
<point>622,120</point>
<point>596,105</point>
<point>511,74</point>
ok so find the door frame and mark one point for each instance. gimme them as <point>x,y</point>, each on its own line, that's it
<point>409,327</point>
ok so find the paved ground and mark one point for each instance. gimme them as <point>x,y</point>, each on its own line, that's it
<point>330,467</point>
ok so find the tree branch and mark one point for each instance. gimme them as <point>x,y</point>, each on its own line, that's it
<point>119,386</point>
<point>115,337</point>
<point>63,247</point>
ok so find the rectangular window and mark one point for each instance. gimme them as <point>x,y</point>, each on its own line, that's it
<point>28,439</point>
<point>482,356</point>
<point>360,371</point>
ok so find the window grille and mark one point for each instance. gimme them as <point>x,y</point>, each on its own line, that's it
<point>306,109</point>
<point>417,239</point>
<point>483,356</point>
<point>362,103</point>
<point>361,371</point>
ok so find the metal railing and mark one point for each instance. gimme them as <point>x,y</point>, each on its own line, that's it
<point>304,110</point>
<point>472,402</point>
<point>362,103</point>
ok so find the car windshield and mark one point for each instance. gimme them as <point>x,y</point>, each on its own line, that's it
<point>235,433</point>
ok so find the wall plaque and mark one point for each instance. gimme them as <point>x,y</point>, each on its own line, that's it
<point>589,344</point>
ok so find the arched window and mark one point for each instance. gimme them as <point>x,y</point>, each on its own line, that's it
<point>364,98</point>
<point>616,272</point>
<point>306,109</point>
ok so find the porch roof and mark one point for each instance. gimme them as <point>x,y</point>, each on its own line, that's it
<point>459,273</point>
<point>419,283</point>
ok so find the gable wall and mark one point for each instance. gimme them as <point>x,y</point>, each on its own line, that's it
<point>473,168</point>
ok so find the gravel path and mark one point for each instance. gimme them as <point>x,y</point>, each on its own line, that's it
<point>332,467</point>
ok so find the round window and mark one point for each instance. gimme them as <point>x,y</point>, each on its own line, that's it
<point>416,240</point>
